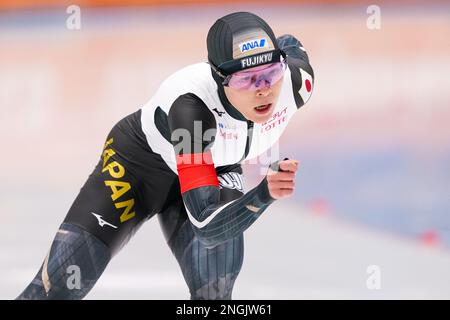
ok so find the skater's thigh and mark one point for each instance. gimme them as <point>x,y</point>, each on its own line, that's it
<point>108,205</point>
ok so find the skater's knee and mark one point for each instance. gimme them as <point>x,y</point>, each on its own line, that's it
<point>72,266</point>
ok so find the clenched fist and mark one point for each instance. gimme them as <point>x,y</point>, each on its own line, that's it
<point>281,178</point>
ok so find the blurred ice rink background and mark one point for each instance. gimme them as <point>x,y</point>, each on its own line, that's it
<point>373,142</point>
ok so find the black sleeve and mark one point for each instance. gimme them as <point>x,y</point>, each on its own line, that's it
<point>297,59</point>
<point>219,213</point>
<point>191,124</point>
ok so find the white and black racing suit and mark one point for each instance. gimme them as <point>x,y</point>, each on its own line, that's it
<point>202,205</point>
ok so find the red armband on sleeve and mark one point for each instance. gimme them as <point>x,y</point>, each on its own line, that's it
<point>196,170</point>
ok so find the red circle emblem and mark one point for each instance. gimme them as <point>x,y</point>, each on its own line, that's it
<point>308,85</point>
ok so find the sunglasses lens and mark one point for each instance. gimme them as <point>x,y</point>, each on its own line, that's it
<point>254,80</point>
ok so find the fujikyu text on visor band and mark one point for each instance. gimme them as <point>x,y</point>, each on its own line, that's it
<point>228,67</point>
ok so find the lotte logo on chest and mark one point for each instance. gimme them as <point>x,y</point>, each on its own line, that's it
<point>277,119</point>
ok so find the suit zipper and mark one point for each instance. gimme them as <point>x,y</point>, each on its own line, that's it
<point>249,139</point>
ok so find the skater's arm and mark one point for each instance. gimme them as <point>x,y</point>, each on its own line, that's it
<point>217,211</point>
<point>218,214</point>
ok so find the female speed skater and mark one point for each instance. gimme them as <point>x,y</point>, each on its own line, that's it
<point>179,157</point>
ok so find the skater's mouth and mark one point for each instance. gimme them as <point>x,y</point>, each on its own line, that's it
<point>263,109</point>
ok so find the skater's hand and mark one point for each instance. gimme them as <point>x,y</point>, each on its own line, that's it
<point>281,178</point>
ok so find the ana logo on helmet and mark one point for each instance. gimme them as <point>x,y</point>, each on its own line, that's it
<point>253,44</point>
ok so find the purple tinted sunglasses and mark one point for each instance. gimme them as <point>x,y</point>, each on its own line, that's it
<point>236,76</point>
<point>255,79</point>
